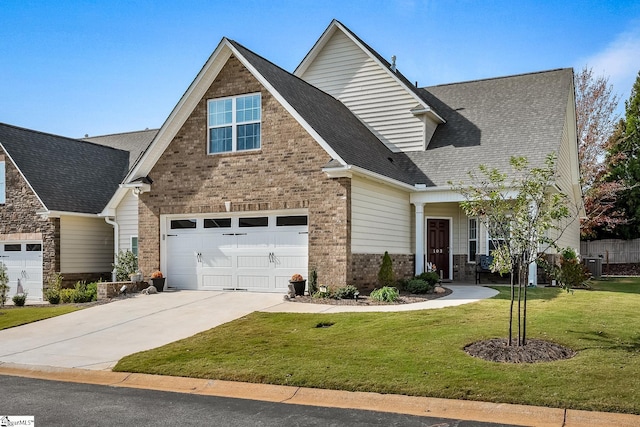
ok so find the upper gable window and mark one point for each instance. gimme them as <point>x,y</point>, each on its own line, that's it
<point>2,184</point>
<point>234,124</point>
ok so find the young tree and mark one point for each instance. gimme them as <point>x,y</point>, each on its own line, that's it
<point>521,210</point>
<point>596,120</point>
<point>624,155</point>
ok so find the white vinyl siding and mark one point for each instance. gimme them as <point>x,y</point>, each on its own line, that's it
<point>567,164</point>
<point>86,245</point>
<point>127,218</point>
<point>346,72</point>
<point>380,219</point>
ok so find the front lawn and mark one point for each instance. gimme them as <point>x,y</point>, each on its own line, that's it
<point>421,353</point>
<point>15,316</point>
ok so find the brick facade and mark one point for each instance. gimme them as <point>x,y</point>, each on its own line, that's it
<point>19,220</point>
<point>365,268</point>
<point>284,174</point>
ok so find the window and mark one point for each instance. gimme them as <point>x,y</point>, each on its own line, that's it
<point>234,124</point>
<point>473,239</point>
<point>134,245</point>
<point>179,224</point>
<point>2,184</point>
<point>496,235</point>
<point>13,247</point>
<point>217,223</point>
<point>262,221</point>
<point>34,247</point>
<point>291,221</point>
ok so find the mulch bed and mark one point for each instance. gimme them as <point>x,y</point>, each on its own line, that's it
<point>496,350</point>
<point>364,299</point>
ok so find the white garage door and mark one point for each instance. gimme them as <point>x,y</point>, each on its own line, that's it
<point>24,266</point>
<point>252,252</point>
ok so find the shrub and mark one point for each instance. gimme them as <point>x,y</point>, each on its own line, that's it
<point>385,275</point>
<point>52,291</point>
<point>4,284</point>
<point>313,282</point>
<point>297,278</point>
<point>419,286</point>
<point>157,274</point>
<point>66,295</point>
<point>20,299</point>
<point>345,292</point>
<point>326,294</point>
<point>430,277</point>
<point>385,294</point>
<point>126,264</point>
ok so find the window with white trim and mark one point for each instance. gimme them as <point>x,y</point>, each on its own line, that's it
<point>134,245</point>
<point>3,198</point>
<point>234,124</point>
<point>473,239</point>
<point>498,236</point>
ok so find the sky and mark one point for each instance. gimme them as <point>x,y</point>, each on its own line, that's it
<point>76,68</point>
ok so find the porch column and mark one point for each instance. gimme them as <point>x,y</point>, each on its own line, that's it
<point>419,238</point>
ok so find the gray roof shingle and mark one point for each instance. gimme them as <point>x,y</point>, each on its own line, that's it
<point>489,121</point>
<point>133,142</point>
<point>67,174</point>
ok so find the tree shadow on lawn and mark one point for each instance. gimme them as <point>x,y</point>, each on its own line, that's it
<point>627,285</point>
<point>603,340</point>
<point>538,293</point>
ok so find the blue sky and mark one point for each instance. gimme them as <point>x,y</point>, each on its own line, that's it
<point>97,67</point>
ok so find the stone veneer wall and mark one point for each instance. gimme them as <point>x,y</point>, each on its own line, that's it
<point>365,268</point>
<point>19,221</point>
<point>284,174</point>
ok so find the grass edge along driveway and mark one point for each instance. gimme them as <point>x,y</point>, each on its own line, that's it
<point>11,316</point>
<point>421,353</point>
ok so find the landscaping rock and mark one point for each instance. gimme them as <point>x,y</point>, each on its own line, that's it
<point>439,290</point>
<point>150,290</point>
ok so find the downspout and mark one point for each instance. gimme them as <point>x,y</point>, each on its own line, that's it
<point>116,245</point>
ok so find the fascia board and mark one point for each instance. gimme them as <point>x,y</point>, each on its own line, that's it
<point>317,48</point>
<point>264,82</point>
<point>350,170</point>
<point>182,110</point>
<point>58,214</point>
<point>22,175</point>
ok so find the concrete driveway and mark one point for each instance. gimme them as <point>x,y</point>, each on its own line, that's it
<point>97,337</point>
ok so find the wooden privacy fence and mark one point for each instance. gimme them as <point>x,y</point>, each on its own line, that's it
<point>613,251</point>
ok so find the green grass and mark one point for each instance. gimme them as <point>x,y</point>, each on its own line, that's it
<point>421,353</point>
<point>16,316</point>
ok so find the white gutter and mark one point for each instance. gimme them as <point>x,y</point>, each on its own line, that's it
<point>349,170</point>
<point>116,241</point>
<point>57,214</point>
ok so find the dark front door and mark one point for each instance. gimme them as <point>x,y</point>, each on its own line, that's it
<point>438,245</point>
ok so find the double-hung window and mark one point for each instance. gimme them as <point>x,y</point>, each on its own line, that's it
<point>473,239</point>
<point>234,124</point>
<point>3,197</point>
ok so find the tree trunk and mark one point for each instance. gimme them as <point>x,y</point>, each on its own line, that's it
<point>510,343</point>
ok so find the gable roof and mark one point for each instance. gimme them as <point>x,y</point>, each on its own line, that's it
<point>67,175</point>
<point>335,25</point>
<point>331,119</point>
<point>489,121</point>
<point>133,142</point>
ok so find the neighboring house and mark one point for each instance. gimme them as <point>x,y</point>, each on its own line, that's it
<point>51,192</point>
<point>259,173</point>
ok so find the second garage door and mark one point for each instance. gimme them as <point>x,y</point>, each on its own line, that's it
<point>249,252</point>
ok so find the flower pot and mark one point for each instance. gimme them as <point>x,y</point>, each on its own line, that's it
<point>299,286</point>
<point>158,283</point>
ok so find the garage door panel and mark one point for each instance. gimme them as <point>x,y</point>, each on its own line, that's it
<point>253,240</point>
<point>253,261</point>
<point>253,282</point>
<point>291,262</point>
<point>255,257</point>
<point>289,239</point>
<point>217,281</point>
<point>24,263</point>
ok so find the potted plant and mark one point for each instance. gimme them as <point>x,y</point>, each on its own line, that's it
<point>298,283</point>
<point>158,280</point>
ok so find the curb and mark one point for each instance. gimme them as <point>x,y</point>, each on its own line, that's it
<point>520,415</point>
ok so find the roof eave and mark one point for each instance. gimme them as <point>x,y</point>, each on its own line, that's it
<point>348,171</point>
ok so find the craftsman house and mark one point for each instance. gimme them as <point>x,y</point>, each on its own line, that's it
<point>259,173</point>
